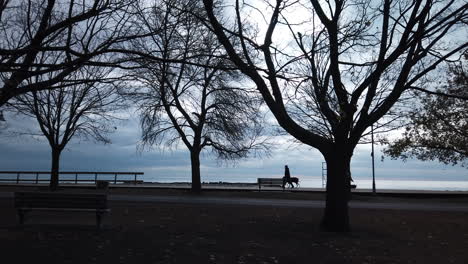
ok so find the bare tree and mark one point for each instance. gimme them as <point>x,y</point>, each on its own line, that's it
<point>79,30</point>
<point>331,69</point>
<point>80,110</point>
<point>186,96</point>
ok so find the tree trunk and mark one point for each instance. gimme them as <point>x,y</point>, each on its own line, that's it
<point>196,178</point>
<point>336,217</point>
<point>54,171</point>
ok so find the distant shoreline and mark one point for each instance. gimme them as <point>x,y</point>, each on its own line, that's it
<point>396,186</point>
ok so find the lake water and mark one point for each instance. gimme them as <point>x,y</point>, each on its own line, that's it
<point>311,182</point>
<point>316,182</point>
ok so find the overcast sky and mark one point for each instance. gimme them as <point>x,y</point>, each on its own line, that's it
<point>25,152</point>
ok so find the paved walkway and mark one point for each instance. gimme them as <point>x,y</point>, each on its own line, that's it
<point>243,187</point>
<point>419,206</point>
<point>453,207</point>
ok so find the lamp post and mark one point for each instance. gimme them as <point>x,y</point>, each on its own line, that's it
<point>373,166</point>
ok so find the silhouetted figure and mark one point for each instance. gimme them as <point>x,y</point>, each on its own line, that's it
<point>288,179</point>
<point>287,174</point>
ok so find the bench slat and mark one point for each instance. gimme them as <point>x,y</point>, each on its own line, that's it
<point>63,209</point>
<point>76,202</point>
<point>269,182</point>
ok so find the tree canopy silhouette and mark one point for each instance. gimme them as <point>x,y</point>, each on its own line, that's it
<point>84,110</point>
<point>328,70</point>
<point>438,126</point>
<point>187,95</point>
<point>80,31</point>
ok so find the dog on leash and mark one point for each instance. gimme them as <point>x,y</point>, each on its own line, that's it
<point>291,181</point>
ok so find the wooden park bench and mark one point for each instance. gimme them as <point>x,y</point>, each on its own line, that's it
<point>270,182</point>
<point>57,201</point>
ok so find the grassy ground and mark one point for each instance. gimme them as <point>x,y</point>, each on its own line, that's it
<point>180,233</point>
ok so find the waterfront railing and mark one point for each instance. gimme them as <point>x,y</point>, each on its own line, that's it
<point>76,177</point>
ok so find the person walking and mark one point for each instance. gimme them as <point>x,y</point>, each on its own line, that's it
<point>287,176</point>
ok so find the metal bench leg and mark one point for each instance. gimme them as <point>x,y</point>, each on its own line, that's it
<point>98,219</point>
<point>21,217</point>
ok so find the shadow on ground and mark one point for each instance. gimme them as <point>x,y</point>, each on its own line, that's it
<point>178,233</point>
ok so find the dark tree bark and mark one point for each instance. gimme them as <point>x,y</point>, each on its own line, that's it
<point>336,217</point>
<point>55,169</point>
<point>195,164</point>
